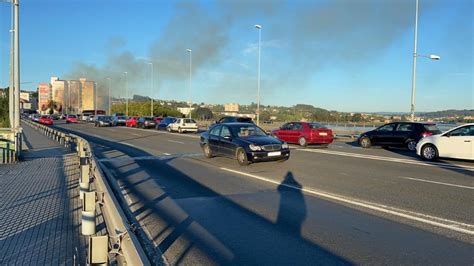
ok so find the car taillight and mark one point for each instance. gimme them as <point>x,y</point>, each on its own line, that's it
<point>426,134</point>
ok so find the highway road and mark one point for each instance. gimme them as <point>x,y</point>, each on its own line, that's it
<point>336,205</point>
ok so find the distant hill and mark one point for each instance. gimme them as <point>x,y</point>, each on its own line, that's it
<point>448,113</point>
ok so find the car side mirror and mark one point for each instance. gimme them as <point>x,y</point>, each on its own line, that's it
<point>447,135</point>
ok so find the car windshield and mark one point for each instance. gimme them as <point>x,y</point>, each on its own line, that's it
<point>316,125</point>
<point>247,131</point>
<point>149,119</point>
<point>121,117</point>
<point>104,117</point>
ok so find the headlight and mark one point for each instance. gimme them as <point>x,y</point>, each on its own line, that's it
<point>254,147</point>
<point>284,145</point>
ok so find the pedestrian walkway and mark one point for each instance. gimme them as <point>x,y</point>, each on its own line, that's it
<point>40,207</point>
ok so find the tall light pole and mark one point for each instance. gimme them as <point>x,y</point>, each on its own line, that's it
<point>12,76</point>
<point>415,55</point>
<point>151,88</point>
<point>190,77</point>
<point>109,83</point>
<point>259,28</point>
<point>126,94</point>
<point>16,65</point>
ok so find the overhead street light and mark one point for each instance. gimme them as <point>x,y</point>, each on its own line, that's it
<point>259,28</point>
<point>415,55</point>
<point>190,78</point>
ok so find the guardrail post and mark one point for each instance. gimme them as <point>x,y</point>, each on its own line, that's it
<point>98,250</point>
<point>84,182</point>
<point>88,214</point>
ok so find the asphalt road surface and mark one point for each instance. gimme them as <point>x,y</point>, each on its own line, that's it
<point>336,205</point>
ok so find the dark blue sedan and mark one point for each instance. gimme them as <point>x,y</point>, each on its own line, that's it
<point>245,142</point>
<point>165,122</point>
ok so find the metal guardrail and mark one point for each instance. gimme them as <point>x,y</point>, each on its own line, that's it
<point>10,145</point>
<point>123,244</point>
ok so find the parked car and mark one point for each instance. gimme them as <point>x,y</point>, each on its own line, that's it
<point>131,121</point>
<point>55,116</point>
<point>85,116</point>
<point>103,121</point>
<point>91,118</point>
<point>165,122</point>
<point>304,133</point>
<point>234,119</point>
<point>182,125</point>
<point>71,119</point>
<point>400,134</point>
<point>119,120</point>
<point>456,143</point>
<point>36,117</point>
<point>146,122</point>
<point>63,116</point>
<point>245,142</point>
<point>46,120</point>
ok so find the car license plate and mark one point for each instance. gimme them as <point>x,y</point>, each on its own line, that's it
<point>274,153</point>
<point>323,133</point>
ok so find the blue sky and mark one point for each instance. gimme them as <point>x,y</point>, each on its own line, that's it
<point>345,55</point>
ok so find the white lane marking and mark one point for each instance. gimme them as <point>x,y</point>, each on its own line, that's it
<point>113,130</point>
<point>164,132</point>
<point>435,182</point>
<point>415,216</point>
<point>175,141</point>
<point>135,134</point>
<point>128,144</point>
<point>391,159</point>
<point>165,153</point>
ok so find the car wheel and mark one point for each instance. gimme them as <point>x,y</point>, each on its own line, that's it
<point>429,152</point>
<point>411,145</point>
<point>302,141</point>
<point>169,129</point>
<point>207,151</point>
<point>242,157</point>
<point>365,142</point>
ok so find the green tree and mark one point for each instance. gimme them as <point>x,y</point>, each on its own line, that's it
<point>202,113</point>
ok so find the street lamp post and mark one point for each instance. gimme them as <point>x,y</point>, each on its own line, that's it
<point>126,94</point>
<point>151,88</point>
<point>190,78</point>
<point>415,55</point>
<point>109,83</point>
<point>259,28</point>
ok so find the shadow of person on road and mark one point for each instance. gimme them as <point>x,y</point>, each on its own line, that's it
<point>292,209</point>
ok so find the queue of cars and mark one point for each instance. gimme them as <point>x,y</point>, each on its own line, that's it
<point>240,138</point>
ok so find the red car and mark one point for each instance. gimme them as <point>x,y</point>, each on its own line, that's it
<point>71,118</point>
<point>304,133</point>
<point>131,121</point>
<point>46,120</point>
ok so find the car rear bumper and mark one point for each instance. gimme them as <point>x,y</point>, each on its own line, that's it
<point>262,156</point>
<point>321,140</point>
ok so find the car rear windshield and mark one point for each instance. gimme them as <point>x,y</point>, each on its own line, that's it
<point>316,125</point>
<point>432,128</point>
<point>247,130</point>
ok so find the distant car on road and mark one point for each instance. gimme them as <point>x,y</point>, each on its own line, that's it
<point>456,143</point>
<point>234,119</point>
<point>163,125</point>
<point>46,120</point>
<point>55,116</point>
<point>103,121</point>
<point>398,134</point>
<point>71,119</point>
<point>146,122</point>
<point>85,116</point>
<point>131,121</point>
<point>119,120</point>
<point>304,133</point>
<point>91,118</point>
<point>182,125</point>
<point>245,142</point>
